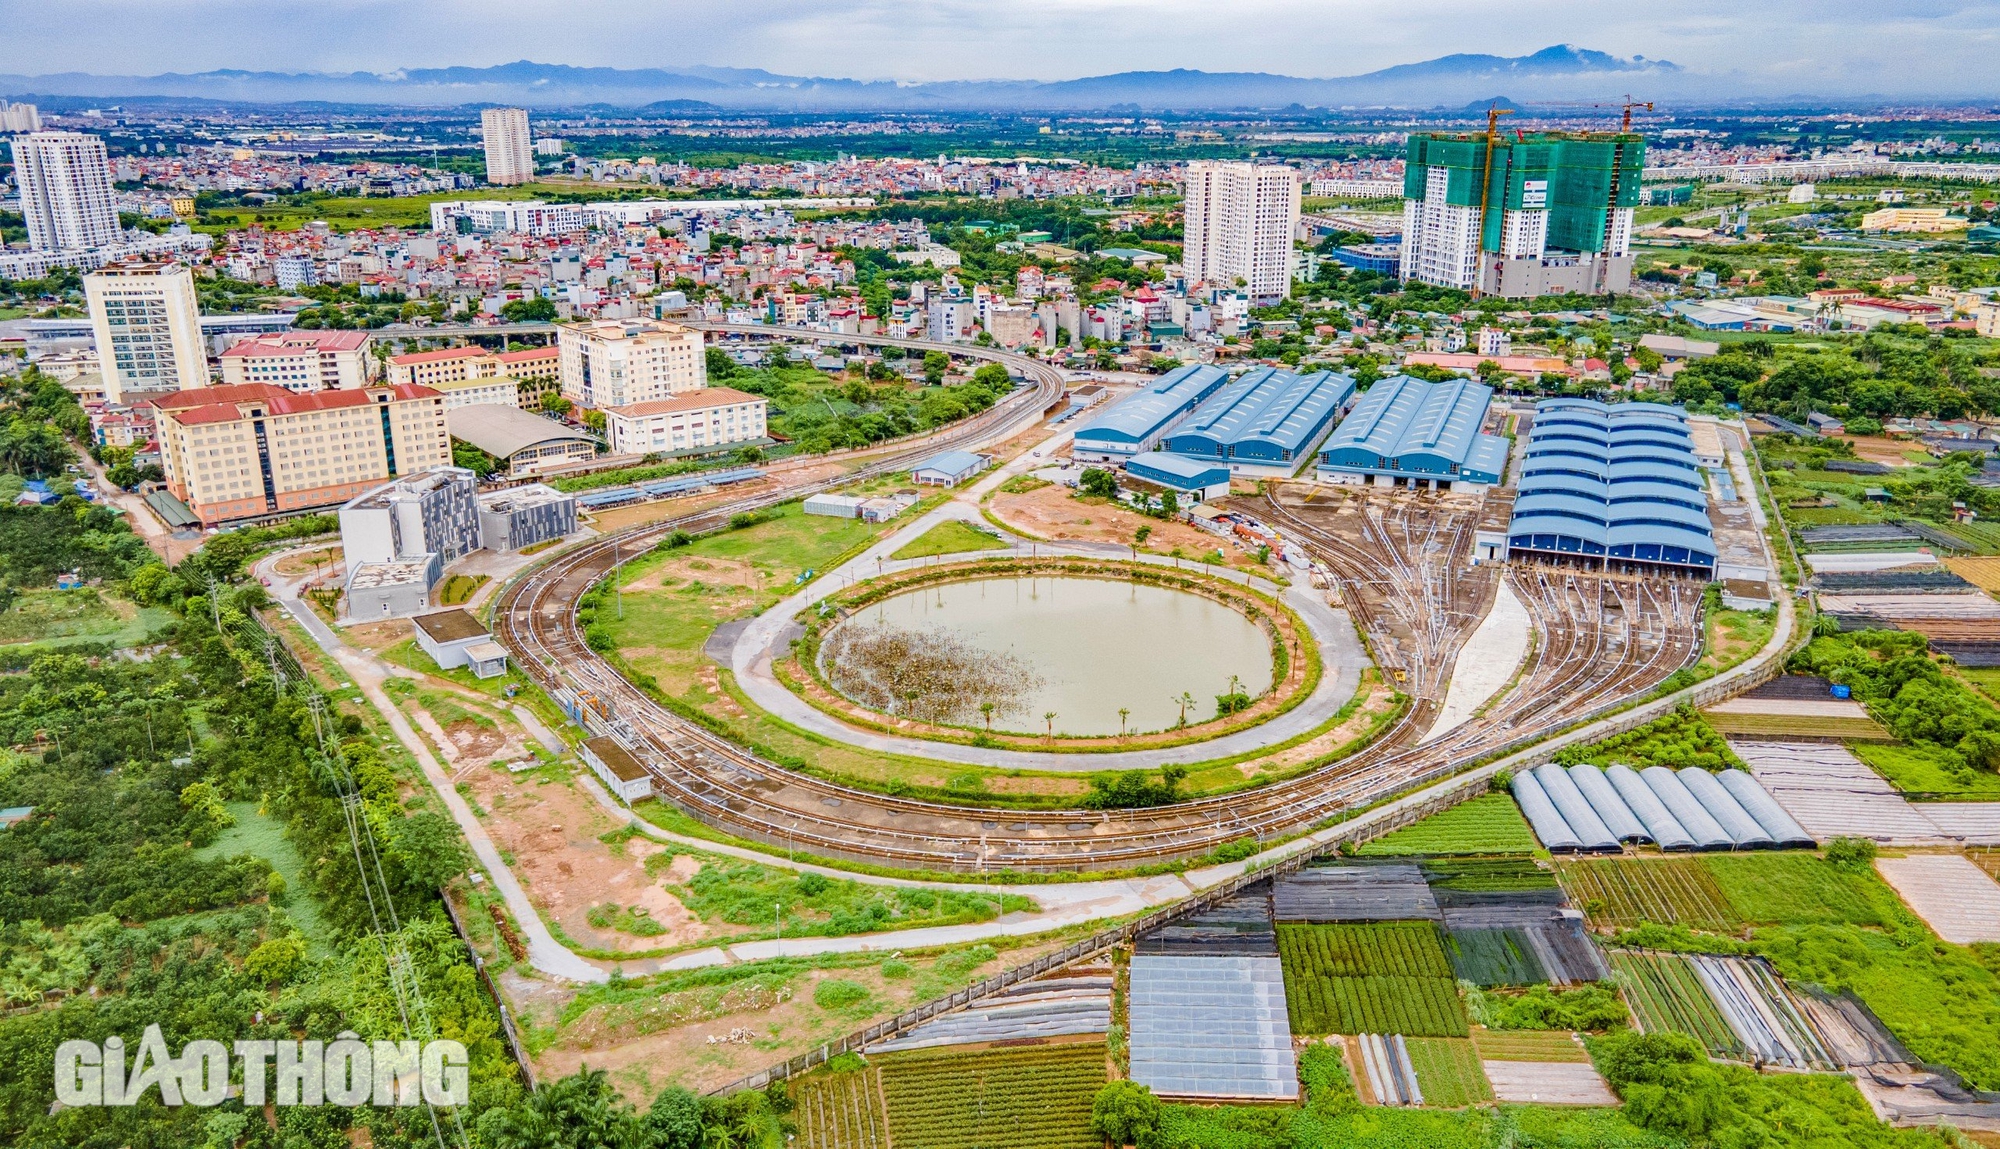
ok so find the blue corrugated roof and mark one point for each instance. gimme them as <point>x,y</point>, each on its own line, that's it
<point>1274,414</point>
<point>951,463</point>
<point>1144,414</point>
<point>1176,470</point>
<point>1609,481</point>
<point>1405,418</point>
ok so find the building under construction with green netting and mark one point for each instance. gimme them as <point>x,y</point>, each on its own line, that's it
<point>1543,213</point>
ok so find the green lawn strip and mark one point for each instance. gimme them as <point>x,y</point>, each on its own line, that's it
<point>1488,824</point>
<point>948,538</point>
<point>262,835</point>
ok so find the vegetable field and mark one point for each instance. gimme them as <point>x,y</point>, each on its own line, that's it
<point>1488,824</point>
<point>839,1111</point>
<point>1796,889</point>
<point>1619,893</point>
<point>1780,727</point>
<point>1448,1072</point>
<point>1415,1006</point>
<point>1397,949</point>
<point>1667,995</point>
<point>1493,957</point>
<point>1546,1045</point>
<point>1030,1097</point>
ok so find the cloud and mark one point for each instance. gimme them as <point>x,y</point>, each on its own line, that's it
<point>1829,46</point>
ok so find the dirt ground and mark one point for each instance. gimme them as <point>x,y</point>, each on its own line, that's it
<point>1053,512</point>
<point>551,832</point>
<point>1881,449</point>
<point>304,561</point>
<point>376,637</point>
<point>701,1039</point>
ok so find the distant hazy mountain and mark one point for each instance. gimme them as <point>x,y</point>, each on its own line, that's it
<point>1450,80</point>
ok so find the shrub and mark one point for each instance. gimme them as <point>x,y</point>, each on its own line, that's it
<point>1851,853</point>
<point>1125,1113</point>
<point>835,993</point>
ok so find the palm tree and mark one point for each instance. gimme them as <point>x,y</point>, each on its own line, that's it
<point>1049,716</point>
<point>1124,712</point>
<point>987,708</point>
<point>1186,700</point>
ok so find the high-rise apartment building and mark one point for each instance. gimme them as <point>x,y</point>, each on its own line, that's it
<point>1240,219</point>
<point>510,158</point>
<point>1548,213</point>
<point>20,117</point>
<point>254,449</point>
<point>613,362</point>
<point>65,181</point>
<point>148,327</point>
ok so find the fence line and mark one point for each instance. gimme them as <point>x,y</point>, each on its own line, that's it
<point>507,1029</point>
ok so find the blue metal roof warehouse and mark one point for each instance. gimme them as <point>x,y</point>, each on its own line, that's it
<point>1140,420</point>
<point>1264,422</point>
<point>1405,429</point>
<point>1197,477</point>
<point>1612,483</point>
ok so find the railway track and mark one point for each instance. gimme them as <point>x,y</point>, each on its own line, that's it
<point>729,787</point>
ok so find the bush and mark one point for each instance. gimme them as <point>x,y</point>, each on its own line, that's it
<point>1851,853</point>
<point>835,993</point>
<point>1125,1113</point>
<point>1588,1008</point>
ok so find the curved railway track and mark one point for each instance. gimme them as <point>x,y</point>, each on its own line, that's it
<point>729,787</point>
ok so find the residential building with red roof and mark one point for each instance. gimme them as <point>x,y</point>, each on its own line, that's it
<point>241,451</point>
<point>302,360</point>
<point>709,417</point>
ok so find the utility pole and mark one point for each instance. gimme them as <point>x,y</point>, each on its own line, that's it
<point>618,577</point>
<point>215,600</point>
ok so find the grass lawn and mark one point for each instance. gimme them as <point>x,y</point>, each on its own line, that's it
<point>1986,678</point>
<point>65,617</point>
<point>263,836</point>
<point>1734,635</point>
<point>1929,770</point>
<point>675,599</point>
<point>1488,824</point>
<point>347,213</point>
<point>949,538</point>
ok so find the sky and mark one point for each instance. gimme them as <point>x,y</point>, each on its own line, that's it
<point>1821,46</point>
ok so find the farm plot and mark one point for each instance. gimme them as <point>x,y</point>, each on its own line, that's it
<point>1488,824</point>
<point>1448,1072</point>
<point>1383,978</point>
<point>1951,894</point>
<point>1769,889</point>
<point>1761,1012</point>
<point>1018,1098</point>
<point>1620,893</point>
<point>1796,727</point>
<point>1667,996</point>
<point>1493,957</point>
<point>1400,949</point>
<point>1544,1045</point>
<point>1512,881</point>
<point>1366,892</point>
<point>839,1111</point>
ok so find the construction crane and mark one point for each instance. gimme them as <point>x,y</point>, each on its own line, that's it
<point>1625,125</point>
<point>1493,115</point>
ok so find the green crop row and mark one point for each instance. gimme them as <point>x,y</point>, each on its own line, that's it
<point>1413,1006</point>
<point>1392,949</point>
<point>1018,1098</point>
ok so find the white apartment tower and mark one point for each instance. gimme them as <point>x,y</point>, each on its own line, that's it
<point>1240,220</point>
<point>65,183</point>
<point>510,158</point>
<point>148,327</point>
<point>19,117</point>
<point>616,362</point>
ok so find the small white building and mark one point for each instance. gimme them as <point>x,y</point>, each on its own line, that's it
<point>834,506</point>
<point>947,469</point>
<point>615,766</point>
<point>453,638</point>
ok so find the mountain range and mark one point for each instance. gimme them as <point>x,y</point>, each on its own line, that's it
<point>1561,71</point>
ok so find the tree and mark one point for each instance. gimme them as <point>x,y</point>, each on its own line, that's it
<point>1098,482</point>
<point>555,404</point>
<point>674,1121</point>
<point>595,420</point>
<point>936,363</point>
<point>430,848</point>
<point>581,1111</point>
<point>1126,1113</point>
<point>536,310</point>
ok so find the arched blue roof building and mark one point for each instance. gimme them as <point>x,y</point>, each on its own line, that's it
<point>1612,483</point>
<point>1264,422</point>
<point>1407,430</point>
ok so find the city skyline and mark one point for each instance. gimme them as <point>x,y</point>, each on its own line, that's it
<point>1831,48</point>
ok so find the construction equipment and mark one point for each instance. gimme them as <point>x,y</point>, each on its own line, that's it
<point>1493,115</point>
<point>1625,125</point>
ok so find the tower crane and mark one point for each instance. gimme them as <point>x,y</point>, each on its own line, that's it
<point>1493,115</point>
